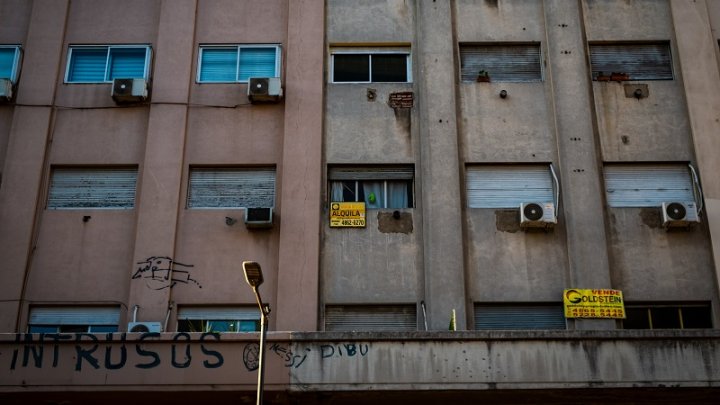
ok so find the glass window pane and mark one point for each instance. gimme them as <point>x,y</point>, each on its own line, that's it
<point>73,328</point>
<point>103,328</point>
<point>218,64</point>
<point>697,317</point>
<point>374,194</point>
<point>249,326</point>
<point>7,60</point>
<point>87,65</point>
<point>398,194</point>
<point>636,318</point>
<point>42,329</point>
<point>351,68</point>
<point>128,63</point>
<point>257,62</point>
<point>665,318</point>
<point>389,68</point>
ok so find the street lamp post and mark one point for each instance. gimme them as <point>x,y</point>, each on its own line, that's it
<point>254,277</point>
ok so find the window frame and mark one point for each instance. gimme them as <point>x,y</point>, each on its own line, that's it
<point>17,58</point>
<point>238,314</point>
<point>238,48</point>
<point>108,48</point>
<point>678,307</point>
<point>499,45</point>
<point>79,317</point>
<point>375,174</point>
<point>395,50</point>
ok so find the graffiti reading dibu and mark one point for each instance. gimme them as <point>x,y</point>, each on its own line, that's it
<point>160,272</point>
<point>86,352</point>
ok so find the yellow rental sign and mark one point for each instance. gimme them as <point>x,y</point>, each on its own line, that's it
<point>581,303</point>
<point>347,214</point>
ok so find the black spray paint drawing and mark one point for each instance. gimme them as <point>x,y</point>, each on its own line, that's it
<point>160,272</point>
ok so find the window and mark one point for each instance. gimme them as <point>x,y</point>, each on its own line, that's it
<point>378,187</point>
<point>684,316</point>
<point>237,63</point>
<point>370,318</point>
<point>648,185</point>
<point>64,319</point>
<point>102,64</point>
<point>98,188</point>
<point>391,65</point>
<point>9,62</point>
<point>501,63</point>
<point>631,61</point>
<point>520,316</point>
<point>508,186</point>
<point>218,319</point>
<point>231,188</point>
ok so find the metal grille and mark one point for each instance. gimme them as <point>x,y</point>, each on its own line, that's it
<point>508,186</point>
<point>74,188</point>
<point>641,185</point>
<point>74,316</point>
<point>371,318</point>
<point>512,317</point>
<point>638,61</point>
<point>231,188</point>
<point>503,63</point>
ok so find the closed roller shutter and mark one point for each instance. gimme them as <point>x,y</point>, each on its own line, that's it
<point>641,185</point>
<point>639,61</point>
<point>510,317</point>
<point>504,63</point>
<point>379,173</point>
<point>74,188</point>
<point>371,318</point>
<point>74,316</point>
<point>508,186</point>
<point>231,188</point>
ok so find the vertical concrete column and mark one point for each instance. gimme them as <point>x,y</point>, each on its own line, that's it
<point>439,165</point>
<point>27,148</point>
<point>301,171</point>
<point>578,152</point>
<point>161,171</point>
<point>696,51</point>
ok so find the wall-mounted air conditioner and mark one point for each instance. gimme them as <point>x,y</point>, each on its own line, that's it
<point>537,215</point>
<point>264,89</point>
<point>258,217</point>
<point>144,327</point>
<point>6,89</point>
<point>129,90</point>
<point>679,214</point>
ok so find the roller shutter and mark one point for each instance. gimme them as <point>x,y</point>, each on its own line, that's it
<point>641,185</point>
<point>639,61</point>
<point>511,317</point>
<point>371,318</point>
<point>504,63</point>
<point>508,186</point>
<point>231,188</point>
<point>102,188</point>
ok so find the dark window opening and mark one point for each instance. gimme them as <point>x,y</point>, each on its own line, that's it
<point>668,317</point>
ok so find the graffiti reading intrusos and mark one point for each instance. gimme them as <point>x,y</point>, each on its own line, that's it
<point>160,272</point>
<point>115,352</point>
<point>88,352</point>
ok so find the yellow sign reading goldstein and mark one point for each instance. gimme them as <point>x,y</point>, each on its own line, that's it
<point>347,214</point>
<point>602,303</point>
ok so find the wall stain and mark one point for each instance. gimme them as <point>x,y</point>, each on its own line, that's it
<point>651,217</point>
<point>388,223</point>
<point>507,220</point>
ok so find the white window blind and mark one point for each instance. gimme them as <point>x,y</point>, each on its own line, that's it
<point>9,62</point>
<point>97,188</point>
<point>502,62</point>
<point>647,185</point>
<point>231,188</point>
<point>99,64</point>
<point>508,186</point>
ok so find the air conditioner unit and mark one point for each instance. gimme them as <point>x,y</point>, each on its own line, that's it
<point>264,89</point>
<point>537,215</point>
<point>144,327</point>
<point>129,90</point>
<point>679,214</point>
<point>6,89</point>
<point>258,217</point>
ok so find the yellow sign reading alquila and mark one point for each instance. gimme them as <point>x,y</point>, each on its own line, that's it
<point>347,214</point>
<point>602,303</point>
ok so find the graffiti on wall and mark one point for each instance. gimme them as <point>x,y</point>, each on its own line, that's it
<point>160,272</point>
<point>90,352</point>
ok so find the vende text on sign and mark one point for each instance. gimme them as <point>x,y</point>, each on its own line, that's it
<point>589,303</point>
<point>347,214</point>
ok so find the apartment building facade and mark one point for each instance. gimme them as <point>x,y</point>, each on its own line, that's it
<point>497,155</point>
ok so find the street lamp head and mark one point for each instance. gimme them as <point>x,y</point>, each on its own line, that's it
<point>253,273</point>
